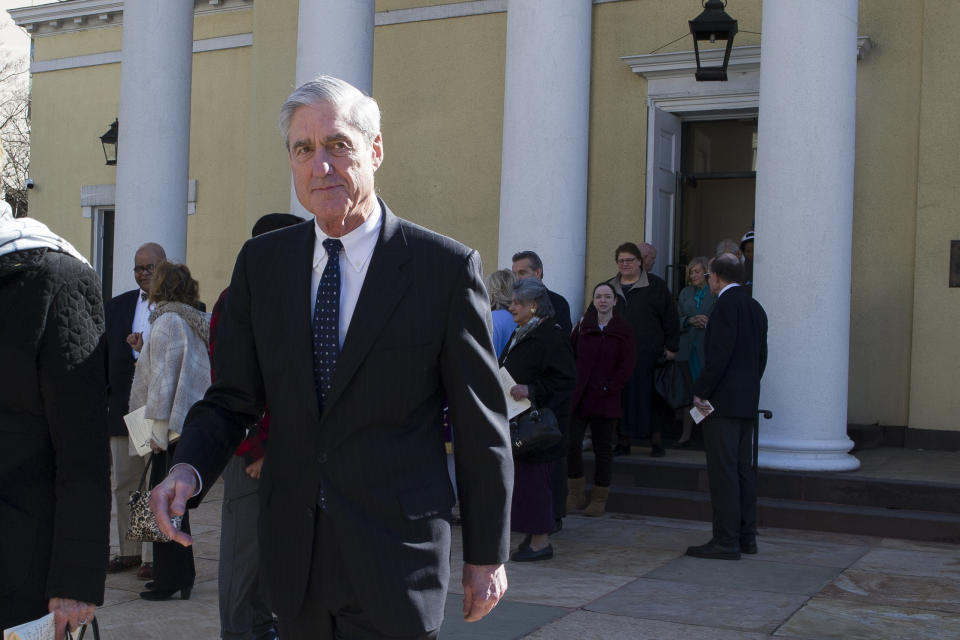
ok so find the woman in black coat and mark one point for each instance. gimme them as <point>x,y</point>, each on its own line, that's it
<point>539,358</point>
<point>55,467</point>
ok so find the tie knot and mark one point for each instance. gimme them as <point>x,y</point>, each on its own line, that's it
<point>333,246</point>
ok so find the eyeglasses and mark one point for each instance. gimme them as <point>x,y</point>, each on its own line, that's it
<point>626,260</point>
<point>144,268</point>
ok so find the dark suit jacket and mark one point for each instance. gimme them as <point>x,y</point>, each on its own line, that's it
<point>420,331</point>
<point>561,311</point>
<point>735,345</point>
<point>120,362</point>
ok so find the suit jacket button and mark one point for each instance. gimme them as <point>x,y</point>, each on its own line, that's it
<point>322,458</point>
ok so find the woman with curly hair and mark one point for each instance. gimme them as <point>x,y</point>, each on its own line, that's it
<point>172,373</point>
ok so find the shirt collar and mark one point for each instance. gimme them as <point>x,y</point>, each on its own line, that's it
<point>729,286</point>
<point>358,245</point>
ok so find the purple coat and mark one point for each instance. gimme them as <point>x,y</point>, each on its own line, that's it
<point>605,360</point>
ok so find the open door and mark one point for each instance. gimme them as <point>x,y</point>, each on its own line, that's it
<point>663,166</point>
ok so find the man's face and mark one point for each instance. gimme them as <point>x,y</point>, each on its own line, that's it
<point>748,250</point>
<point>333,165</point>
<point>715,283</point>
<point>649,255</point>
<point>144,264</point>
<point>523,269</point>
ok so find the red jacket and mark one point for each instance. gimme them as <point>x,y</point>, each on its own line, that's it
<point>605,360</point>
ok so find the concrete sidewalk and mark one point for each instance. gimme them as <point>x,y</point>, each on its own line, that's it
<point>626,577</point>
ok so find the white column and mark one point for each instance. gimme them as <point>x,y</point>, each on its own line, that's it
<point>334,37</point>
<point>153,150</point>
<point>804,223</point>
<point>546,121</point>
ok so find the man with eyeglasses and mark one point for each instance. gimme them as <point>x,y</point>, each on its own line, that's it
<point>128,326</point>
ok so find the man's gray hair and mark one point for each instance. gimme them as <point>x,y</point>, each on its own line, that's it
<point>727,246</point>
<point>363,112</point>
<point>532,290</point>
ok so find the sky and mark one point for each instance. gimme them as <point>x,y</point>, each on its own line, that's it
<point>13,38</point>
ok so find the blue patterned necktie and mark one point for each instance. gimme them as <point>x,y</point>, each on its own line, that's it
<point>326,321</point>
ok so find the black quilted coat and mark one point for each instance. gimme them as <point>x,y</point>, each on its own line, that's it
<point>55,460</point>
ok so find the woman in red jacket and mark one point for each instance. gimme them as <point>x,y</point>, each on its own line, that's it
<point>604,347</point>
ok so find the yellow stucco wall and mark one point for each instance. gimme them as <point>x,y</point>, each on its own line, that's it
<point>884,217</point>
<point>70,110</point>
<point>72,107</point>
<point>440,88</point>
<point>935,385</point>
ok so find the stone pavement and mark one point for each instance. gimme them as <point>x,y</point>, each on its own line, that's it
<point>626,577</point>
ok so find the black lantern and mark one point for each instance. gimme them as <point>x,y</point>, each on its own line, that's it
<point>713,24</point>
<point>109,142</point>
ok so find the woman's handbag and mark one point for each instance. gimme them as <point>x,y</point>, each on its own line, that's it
<point>143,524</point>
<point>534,430</point>
<point>671,380</point>
<point>83,630</point>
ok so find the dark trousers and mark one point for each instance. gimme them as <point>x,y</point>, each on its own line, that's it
<point>728,443</point>
<point>331,610</point>
<point>602,432</point>
<point>172,562</point>
<point>244,614</point>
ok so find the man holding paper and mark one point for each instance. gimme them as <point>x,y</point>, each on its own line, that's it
<point>727,393</point>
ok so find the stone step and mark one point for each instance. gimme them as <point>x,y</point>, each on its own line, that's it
<point>800,486</point>
<point>911,524</point>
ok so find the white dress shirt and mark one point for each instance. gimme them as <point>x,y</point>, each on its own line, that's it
<point>729,286</point>
<point>358,246</point>
<point>141,321</point>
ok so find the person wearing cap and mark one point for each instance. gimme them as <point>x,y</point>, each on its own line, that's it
<point>746,257</point>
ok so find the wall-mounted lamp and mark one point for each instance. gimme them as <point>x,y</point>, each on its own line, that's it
<point>109,142</point>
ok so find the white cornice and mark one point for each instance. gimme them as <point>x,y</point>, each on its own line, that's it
<point>112,57</point>
<point>76,15</point>
<point>71,15</point>
<point>682,63</point>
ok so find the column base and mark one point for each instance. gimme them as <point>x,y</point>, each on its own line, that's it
<point>807,455</point>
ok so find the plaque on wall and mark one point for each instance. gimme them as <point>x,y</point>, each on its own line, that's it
<point>955,263</point>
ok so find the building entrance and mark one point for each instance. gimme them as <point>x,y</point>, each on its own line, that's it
<point>716,186</point>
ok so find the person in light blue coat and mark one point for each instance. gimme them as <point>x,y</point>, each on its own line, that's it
<point>694,306</point>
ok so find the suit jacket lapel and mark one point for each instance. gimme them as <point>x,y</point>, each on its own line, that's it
<point>383,287</point>
<point>299,320</point>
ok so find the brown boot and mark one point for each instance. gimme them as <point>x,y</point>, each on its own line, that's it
<point>598,501</point>
<point>576,498</point>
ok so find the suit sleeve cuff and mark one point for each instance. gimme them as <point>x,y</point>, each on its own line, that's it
<point>195,473</point>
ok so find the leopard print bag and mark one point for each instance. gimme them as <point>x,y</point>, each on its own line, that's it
<point>143,524</point>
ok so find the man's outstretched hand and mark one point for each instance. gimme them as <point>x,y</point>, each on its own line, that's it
<point>169,498</point>
<point>483,586</point>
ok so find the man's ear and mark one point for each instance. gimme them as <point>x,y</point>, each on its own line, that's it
<point>377,150</point>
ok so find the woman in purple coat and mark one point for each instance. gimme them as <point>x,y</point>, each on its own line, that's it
<point>604,348</point>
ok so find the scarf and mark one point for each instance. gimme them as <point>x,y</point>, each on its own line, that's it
<point>20,234</point>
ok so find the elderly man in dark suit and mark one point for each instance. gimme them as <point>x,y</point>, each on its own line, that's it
<point>128,325</point>
<point>735,346</point>
<point>353,328</point>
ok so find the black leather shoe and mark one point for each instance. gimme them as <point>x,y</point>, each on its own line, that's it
<point>526,554</point>
<point>748,546</point>
<point>657,451</point>
<point>525,543</point>
<point>714,551</point>
<point>557,526</point>
<point>166,594</point>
